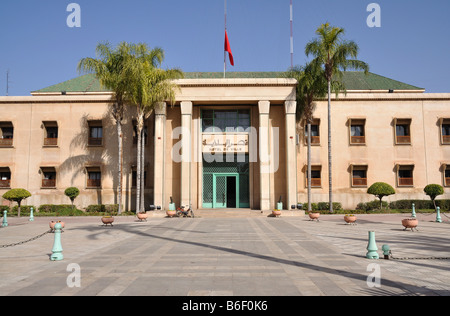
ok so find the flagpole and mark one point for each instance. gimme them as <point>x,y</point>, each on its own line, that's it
<point>224,52</point>
<point>292,36</point>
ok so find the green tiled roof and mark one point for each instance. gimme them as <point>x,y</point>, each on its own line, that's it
<point>353,80</point>
<point>86,83</point>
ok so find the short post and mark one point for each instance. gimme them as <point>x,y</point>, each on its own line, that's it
<point>31,215</point>
<point>386,251</point>
<point>372,247</point>
<point>438,215</point>
<point>5,219</point>
<point>57,247</point>
<point>413,214</point>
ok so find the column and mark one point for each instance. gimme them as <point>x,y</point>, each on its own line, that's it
<point>159,155</point>
<point>291,153</point>
<point>186,152</point>
<point>264,155</point>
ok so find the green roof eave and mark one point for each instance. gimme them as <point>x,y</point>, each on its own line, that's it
<point>353,80</point>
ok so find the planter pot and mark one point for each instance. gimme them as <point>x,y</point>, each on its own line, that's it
<point>107,220</point>
<point>171,213</point>
<point>53,223</point>
<point>410,223</point>
<point>142,216</point>
<point>314,216</point>
<point>350,219</point>
<point>276,213</point>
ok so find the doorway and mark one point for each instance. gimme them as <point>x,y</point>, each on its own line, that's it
<point>226,190</point>
<point>226,184</point>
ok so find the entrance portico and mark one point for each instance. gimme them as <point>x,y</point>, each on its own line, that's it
<point>235,145</point>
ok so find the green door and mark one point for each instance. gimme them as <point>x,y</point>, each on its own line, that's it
<point>225,190</point>
<point>226,184</point>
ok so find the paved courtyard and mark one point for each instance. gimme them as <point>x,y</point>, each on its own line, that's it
<point>252,255</point>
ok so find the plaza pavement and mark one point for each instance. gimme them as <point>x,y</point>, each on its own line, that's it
<point>226,254</point>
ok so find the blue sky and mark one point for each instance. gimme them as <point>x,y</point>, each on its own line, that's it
<point>39,49</point>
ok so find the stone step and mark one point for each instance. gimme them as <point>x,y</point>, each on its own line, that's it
<point>215,213</point>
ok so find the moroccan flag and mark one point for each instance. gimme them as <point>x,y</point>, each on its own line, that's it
<point>228,49</point>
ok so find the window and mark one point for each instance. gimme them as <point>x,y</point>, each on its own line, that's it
<point>447,176</point>
<point>357,131</point>
<point>316,180</point>
<point>94,177</point>
<point>315,134</point>
<point>221,121</point>
<point>50,133</point>
<point>5,177</point>
<point>95,133</point>
<point>445,131</point>
<point>48,177</point>
<point>6,134</point>
<point>405,175</point>
<point>134,178</point>
<point>359,176</point>
<point>403,131</point>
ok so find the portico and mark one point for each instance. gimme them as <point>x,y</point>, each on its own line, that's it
<point>232,143</point>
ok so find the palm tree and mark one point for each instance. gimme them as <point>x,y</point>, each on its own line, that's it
<point>311,86</point>
<point>149,86</point>
<point>108,69</point>
<point>333,53</point>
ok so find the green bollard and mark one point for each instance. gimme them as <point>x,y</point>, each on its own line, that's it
<point>31,215</point>
<point>413,211</point>
<point>438,215</point>
<point>386,251</point>
<point>57,247</point>
<point>372,247</point>
<point>5,219</point>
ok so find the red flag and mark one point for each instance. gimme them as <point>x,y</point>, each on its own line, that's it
<point>228,49</point>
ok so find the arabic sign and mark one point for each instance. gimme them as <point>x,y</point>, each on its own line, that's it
<point>225,143</point>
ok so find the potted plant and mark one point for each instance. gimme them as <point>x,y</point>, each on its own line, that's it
<point>171,213</point>
<point>314,215</point>
<point>350,219</point>
<point>107,219</point>
<point>142,216</point>
<point>53,223</point>
<point>276,212</point>
<point>410,223</point>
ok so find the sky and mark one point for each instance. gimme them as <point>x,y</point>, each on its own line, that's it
<point>39,49</point>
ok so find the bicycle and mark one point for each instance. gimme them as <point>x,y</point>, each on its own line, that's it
<point>185,213</point>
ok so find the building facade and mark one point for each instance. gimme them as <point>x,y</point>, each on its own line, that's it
<point>226,143</point>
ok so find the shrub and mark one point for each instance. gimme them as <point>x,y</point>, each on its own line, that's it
<point>419,204</point>
<point>102,208</point>
<point>24,209</point>
<point>72,193</point>
<point>369,206</point>
<point>433,190</point>
<point>59,210</point>
<point>323,206</point>
<point>16,195</point>
<point>380,190</point>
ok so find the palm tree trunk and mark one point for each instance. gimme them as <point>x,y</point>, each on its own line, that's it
<point>138,167</point>
<point>120,165</point>
<point>141,205</point>
<point>330,185</point>
<point>309,167</point>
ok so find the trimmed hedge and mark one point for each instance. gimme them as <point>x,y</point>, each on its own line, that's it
<point>103,208</point>
<point>322,206</point>
<point>420,204</point>
<point>370,206</point>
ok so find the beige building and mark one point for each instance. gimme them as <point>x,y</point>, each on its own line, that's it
<point>227,143</point>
